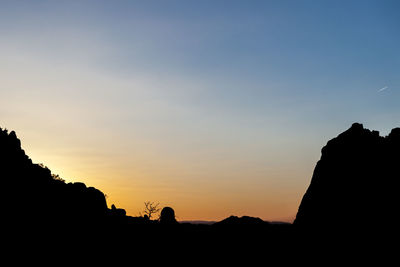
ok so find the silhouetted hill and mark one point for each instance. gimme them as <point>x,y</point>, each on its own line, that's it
<point>355,183</point>
<point>33,196</point>
<point>241,221</point>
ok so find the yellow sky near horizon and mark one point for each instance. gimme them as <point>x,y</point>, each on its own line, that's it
<point>128,180</point>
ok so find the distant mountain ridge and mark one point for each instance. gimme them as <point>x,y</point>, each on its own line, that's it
<point>198,222</point>
<point>244,220</point>
<point>228,219</point>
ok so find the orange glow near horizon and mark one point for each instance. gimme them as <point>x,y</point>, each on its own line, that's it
<point>194,194</point>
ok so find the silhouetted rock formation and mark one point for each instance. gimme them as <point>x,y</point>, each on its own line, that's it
<point>354,185</point>
<point>35,196</point>
<point>117,212</point>
<point>168,216</point>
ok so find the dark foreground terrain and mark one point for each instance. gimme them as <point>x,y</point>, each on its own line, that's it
<point>351,205</point>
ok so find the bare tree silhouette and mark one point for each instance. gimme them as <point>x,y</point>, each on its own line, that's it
<point>150,209</point>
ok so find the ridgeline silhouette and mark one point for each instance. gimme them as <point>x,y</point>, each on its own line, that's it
<point>353,190</point>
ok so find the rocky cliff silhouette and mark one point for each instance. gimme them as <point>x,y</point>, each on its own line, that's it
<point>32,195</point>
<point>354,186</point>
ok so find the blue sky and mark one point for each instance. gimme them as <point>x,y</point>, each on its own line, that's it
<point>189,98</point>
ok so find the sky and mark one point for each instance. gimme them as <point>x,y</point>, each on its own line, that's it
<point>214,108</point>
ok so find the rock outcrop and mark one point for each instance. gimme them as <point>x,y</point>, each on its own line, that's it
<point>355,183</point>
<point>167,216</point>
<point>35,196</point>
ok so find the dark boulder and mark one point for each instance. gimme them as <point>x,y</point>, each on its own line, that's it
<point>167,216</point>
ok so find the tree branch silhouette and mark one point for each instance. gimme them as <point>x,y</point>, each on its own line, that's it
<point>151,208</point>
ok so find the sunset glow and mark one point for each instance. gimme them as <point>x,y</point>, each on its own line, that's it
<point>214,108</point>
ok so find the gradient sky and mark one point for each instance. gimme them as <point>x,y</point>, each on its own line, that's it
<point>214,108</point>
